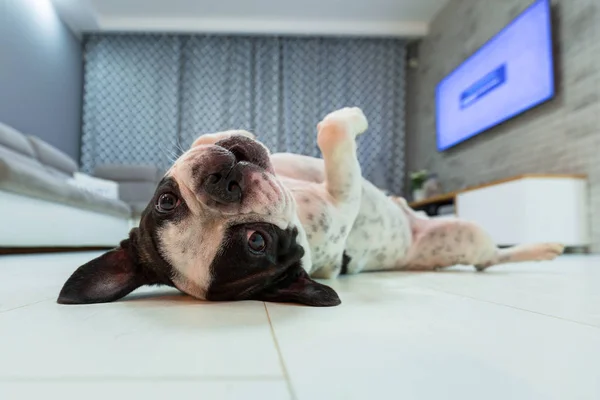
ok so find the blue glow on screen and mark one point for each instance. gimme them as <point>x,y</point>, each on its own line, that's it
<point>510,74</point>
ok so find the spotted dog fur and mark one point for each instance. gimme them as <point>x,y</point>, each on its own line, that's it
<point>375,231</point>
<point>230,221</point>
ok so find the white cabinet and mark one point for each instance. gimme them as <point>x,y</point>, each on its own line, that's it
<point>542,208</point>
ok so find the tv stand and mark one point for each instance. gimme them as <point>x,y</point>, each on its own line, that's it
<point>523,209</point>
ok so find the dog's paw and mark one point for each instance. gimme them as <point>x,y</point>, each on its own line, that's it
<point>351,118</point>
<point>534,252</point>
<point>548,251</point>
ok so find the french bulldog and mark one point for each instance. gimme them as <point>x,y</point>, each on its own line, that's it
<point>229,221</point>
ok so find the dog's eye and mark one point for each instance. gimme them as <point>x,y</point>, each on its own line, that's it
<point>167,202</point>
<point>256,242</point>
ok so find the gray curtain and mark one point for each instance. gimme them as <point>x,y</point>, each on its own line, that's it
<point>147,97</point>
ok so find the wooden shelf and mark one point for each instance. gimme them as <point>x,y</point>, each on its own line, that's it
<point>446,197</point>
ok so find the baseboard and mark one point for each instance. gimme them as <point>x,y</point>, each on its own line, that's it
<point>45,250</point>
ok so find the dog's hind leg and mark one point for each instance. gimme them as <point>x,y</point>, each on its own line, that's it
<point>337,140</point>
<point>445,243</point>
<point>524,252</point>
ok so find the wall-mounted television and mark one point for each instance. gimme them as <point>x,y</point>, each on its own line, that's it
<point>508,75</point>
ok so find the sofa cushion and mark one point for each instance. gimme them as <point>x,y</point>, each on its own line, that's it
<point>15,140</point>
<point>134,192</point>
<point>33,180</point>
<point>138,208</point>
<point>127,173</point>
<point>58,174</point>
<point>102,187</point>
<point>52,157</point>
<point>7,153</point>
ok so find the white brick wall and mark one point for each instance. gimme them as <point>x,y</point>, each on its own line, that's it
<point>562,136</point>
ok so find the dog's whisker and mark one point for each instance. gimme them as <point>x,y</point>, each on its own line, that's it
<point>172,154</point>
<point>178,146</point>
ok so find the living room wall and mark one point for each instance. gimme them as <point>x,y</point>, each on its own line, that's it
<point>562,136</point>
<point>41,72</point>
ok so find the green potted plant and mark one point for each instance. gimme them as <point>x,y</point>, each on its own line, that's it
<point>417,179</point>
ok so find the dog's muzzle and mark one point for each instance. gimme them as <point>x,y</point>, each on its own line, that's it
<point>225,186</point>
<point>228,185</point>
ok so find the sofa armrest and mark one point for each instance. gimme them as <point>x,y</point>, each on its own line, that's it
<point>137,183</point>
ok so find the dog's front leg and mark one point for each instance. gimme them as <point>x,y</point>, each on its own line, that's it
<point>337,141</point>
<point>342,184</point>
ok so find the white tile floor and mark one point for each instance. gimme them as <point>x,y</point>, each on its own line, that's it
<point>528,331</point>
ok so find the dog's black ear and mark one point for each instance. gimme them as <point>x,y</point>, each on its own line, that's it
<point>297,287</point>
<point>106,278</point>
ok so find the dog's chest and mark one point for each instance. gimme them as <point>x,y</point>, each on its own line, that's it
<point>325,225</point>
<point>381,234</point>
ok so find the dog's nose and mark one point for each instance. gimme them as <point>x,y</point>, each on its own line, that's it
<point>225,186</point>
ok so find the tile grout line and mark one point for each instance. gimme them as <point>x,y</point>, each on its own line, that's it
<point>513,307</point>
<point>109,378</point>
<point>25,305</point>
<point>280,355</point>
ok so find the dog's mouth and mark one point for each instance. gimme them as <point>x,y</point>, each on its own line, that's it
<point>235,176</point>
<point>246,150</point>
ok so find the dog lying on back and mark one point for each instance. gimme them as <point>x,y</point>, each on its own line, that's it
<point>229,221</point>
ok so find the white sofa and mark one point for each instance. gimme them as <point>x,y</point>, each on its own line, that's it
<point>40,208</point>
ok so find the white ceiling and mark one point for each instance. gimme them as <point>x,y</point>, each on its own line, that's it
<point>406,18</point>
